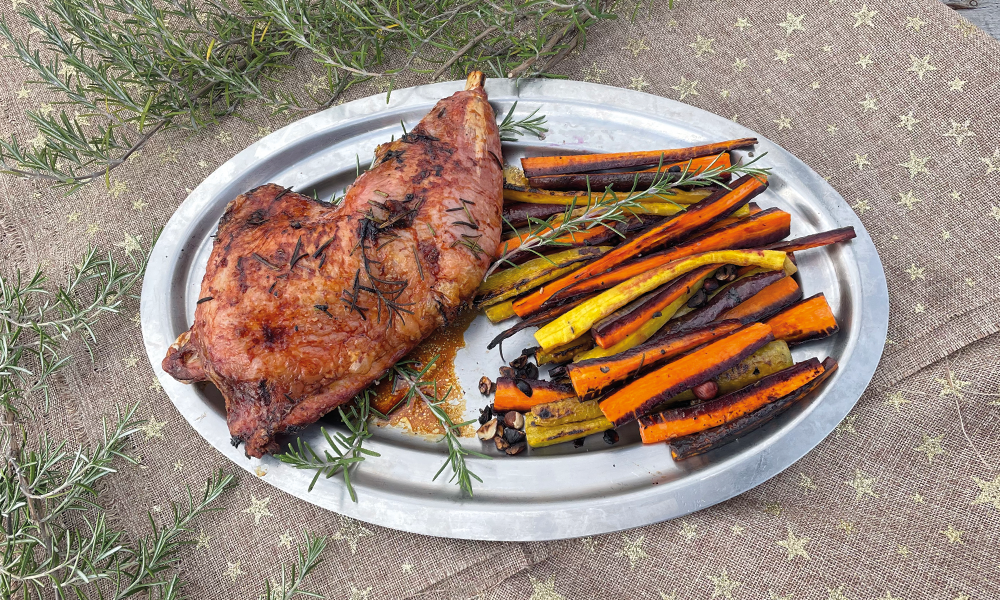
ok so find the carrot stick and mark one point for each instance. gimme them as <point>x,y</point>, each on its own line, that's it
<point>808,320</point>
<point>726,299</point>
<point>591,377</point>
<point>815,240</point>
<point>686,372</point>
<point>674,423</point>
<point>581,163</point>
<point>510,397</point>
<point>534,321</point>
<point>766,302</point>
<point>527,195</point>
<point>771,224</point>
<point>716,437</point>
<point>697,217</point>
<point>752,208</point>
<point>632,180</point>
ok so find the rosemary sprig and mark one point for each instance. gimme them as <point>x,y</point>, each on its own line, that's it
<point>511,129</point>
<point>292,580</point>
<point>412,375</point>
<point>666,181</point>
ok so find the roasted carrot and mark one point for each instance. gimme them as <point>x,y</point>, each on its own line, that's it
<point>756,230</point>
<point>716,437</point>
<point>766,302</point>
<point>632,180</point>
<point>560,412</point>
<point>591,377</point>
<point>581,163</point>
<point>697,217</point>
<point>565,352</point>
<point>528,195</point>
<point>578,321</point>
<point>500,312</point>
<point>533,321</point>
<point>725,299</point>
<point>815,240</point>
<point>751,208</point>
<point>694,368</point>
<point>518,214</point>
<point>807,320</point>
<point>540,436</point>
<point>674,423</point>
<point>616,327</point>
<point>511,396</point>
<point>508,283</point>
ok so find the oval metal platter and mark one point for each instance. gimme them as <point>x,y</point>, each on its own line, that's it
<point>561,491</point>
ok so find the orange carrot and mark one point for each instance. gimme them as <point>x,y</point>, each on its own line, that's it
<point>752,209</point>
<point>697,217</point>
<point>581,163</point>
<point>637,398</point>
<point>766,302</point>
<point>509,395</point>
<point>808,320</point>
<point>631,180</point>
<point>815,240</point>
<point>676,422</point>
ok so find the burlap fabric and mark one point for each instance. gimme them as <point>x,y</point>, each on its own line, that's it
<point>895,103</point>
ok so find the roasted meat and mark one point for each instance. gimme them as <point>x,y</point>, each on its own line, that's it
<point>304,304</point>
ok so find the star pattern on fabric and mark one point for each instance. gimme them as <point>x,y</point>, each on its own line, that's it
<point>169,155</point>
<point>846,426</point>
<point>931,446</point>
<point>916,272</point>
<point>351,531</point>
<point>861,160</point>
<point>406,568</point>
<point>864,16</point>
<point>783,122</point>
<point>792,23</point>
<point>257,509</point>
<point>632,549</point>
<point>897,400</point>
<point>782,55</point>
<point>724,586</point>
<point>970,282</point>
<point>702,46</point>
<point>724,93</point>
<point>23,92</point>
<point>155,386</point>
<point>130,244</point>
<point>73,217</point>
<point>966,28</point>
<point>921,66</point>
<point>179,466</point>
<point>635,46</point>
<point>908,200</point>
<point>362,594</point>
<point>741,24</point>
<point>862,206</point>
<point>831,128</point>
<point>638,83</point>
<point>959,131</point>
<point>907,121</point>
<point>806,483</point>
<point>815,85</point>
<point>234,570</point>
<point>953,535</point>
<point>202,540</point>
<point>544,590</point>
<point>138,204</point>
<point>916,165</point>
<point>153,428</point>
<point>737,529</point>
<point>863,485</point>
<point>739,64</point>
<point>945,236</point>
<point>594,73</point>
<point>869,104</point>
<point>688,531</point>
<point>956,85</point>
<point>796,546</point>
<point>847,527</point>
<point>223,136</point>
<point>919,308</point>
<point>665,596</point>
<point>590,543</point>
<point>952,386</point>
<point>286,540</point>
<point>93,228</point>
<point>131,361</point>
<point>836,594</point>
<point>864,60</point>
<point>686,88</point>
<point>989,492</point>
<point>914,23</point>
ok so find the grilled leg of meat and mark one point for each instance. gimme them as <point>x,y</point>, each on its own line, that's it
<point>304,304</point>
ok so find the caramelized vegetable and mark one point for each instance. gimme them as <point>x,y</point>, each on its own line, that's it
<point>593,376</point>
<point>697,217</point>
<point>518,214</point>
<point>716,437</point>
<point>816,240</point>
<point>677,422</point>
<point>539,437</point>
<point>513,394</point>
<point>766,302</point>
<point>578,321</point>
<point>771,358</point>
<point>581,163</point>
<point>504,285</point>
<point>564,353</point>
<point>550,197</point>
<point>807,320</point>
<point>533,321</point>
<point>629,181</point>
<point>570,410</point>
<point>500,312</point>
<point>749,232</point>
<point>697,367</point>
<point>725,299</point>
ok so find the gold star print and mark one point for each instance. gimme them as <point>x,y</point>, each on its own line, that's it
<point>861,160</point>
<point>921,66</point>
<point>153,428</point>
<point>672,24</point>
<point>916,165</point>
<point>38,141</point>
<point>724,586</point>
<point>202,164</point>
<point>864,16</point>
<point>82,120</point>
<point>357,594</point>
<point>846,426</point>
<point>131,361</point>
<point>406,568</point>
<point>914,23</point>
<point>741,24</point>
<point>73,217</point>
<point>945,236</point>
<point>847,526</point>
<point>931,446</point>
<point>686,88</point>
<point>130,244</point>
<point>224,137</point>
<point>351,531</point>
<point>792,23</point>
<point>773,509</point>
<point>862,206</point>
<point>737,529</point>
<point>179,466</point>
<point>23,92</point>
<point>117,188</point>
<point>959,131</point>
<point>952,386</point>
<point>234,570</point>
<point>919,308</point>
<point>902,550</point>
<point>702,45</point>
<point>257,509</point>
<point>688,531</point>
<point>908,200</point>
<point>169,155</point>
<point>740,64</point>
<point>155,386</point>
<point>916,272</point>
<point>864,60</point>
<point>315,84</point>
<point>593,73</point>
<point>907,121</point>
<point>66,70</point>
<point>869,103</point>
<point>836,594</point>
<point>863,486</point>
<point>954,535</point>
<point>286,540</point>
<point>45,109</point>
<point>544,590</point>
<point>724,93</point>
<point>955,195</point>
<point>831,128</point>
<point>137,319</point>
<point>989,492</point>
<point>638,83</point>
<point>665,596</point>
<point>963,597</point>
<point>632,549</point>
<point>590,543</point>
<point>990,165</point>
<point>783,122</point>
<point>814,85</point>
<point>897,399</point>
<point>138,205</point>
<point>635,46</point>
<point>806,483</point>
<point>995,211</point>
<point>796,546</point>
<point>970,282</point>
<point>966,28</point>
<point>263,131</point>
<point>956,85</point>
<point>783,55</point>
<point>774,595</point>
<point>828,48</point>
<point>202,540</point>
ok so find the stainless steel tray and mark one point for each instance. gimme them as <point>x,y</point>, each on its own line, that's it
<point>559,492</point>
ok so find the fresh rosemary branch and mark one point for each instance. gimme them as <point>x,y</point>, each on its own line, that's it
<point>511,129</point>
<point>344,451</point>
<point>290,585</point>
<point>412,376</point>
<point>666,181</point>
